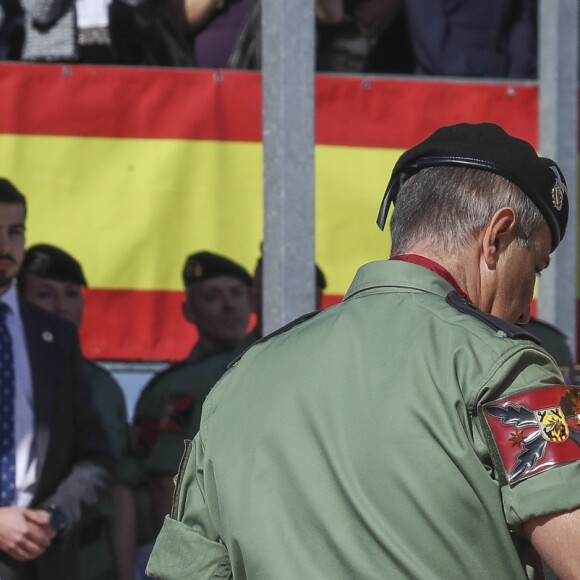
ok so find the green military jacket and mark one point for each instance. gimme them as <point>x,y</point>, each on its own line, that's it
<point>95,556</point>
<point>150,408</point>
<point>185,395</point>
<point>152,400</point>
<point>110,403</point>
<point>398,434</point>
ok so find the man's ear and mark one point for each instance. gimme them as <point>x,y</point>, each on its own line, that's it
<point>497,235</point>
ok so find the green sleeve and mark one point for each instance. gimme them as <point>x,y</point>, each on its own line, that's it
<point>553,488</point>
<point>188,545</point>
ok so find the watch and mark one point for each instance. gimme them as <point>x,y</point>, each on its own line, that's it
<point>57,518</point>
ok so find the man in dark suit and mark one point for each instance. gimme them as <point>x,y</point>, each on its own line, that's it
<point>55,462</point>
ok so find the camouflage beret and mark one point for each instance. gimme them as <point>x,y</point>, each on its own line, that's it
<point>488,147</point>
<point>205,265</point>
<point>51,262</point>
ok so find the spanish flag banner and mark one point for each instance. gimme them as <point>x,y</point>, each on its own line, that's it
<point>130,170</point>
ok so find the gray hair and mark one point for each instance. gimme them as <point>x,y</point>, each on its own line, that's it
<point>447,207</point>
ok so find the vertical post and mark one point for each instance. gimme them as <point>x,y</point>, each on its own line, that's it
<point>288,138</point>
<point>558,96</point>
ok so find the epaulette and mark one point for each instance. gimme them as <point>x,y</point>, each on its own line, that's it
<point>280,330</point>
<point>512,331</point>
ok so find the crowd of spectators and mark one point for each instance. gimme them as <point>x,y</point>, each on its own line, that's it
<point>452,37</point>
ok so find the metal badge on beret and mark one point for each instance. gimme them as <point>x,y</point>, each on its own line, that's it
<point>40,263</point>
<point>559,190</point>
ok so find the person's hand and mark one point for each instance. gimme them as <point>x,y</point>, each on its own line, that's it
<point>25,533</point>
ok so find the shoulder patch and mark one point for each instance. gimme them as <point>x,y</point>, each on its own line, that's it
<point>280,330</point>
<point>513,331</point>
<point>533,431</point>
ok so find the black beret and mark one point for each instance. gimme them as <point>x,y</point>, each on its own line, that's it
<point>9,193</point>
<point>51,262</point>
<point>488,147</point>
<point>205,265</point>
<point>320,279</point>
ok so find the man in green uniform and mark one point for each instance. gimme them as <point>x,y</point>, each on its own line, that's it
<point>191,391</point>
<point>217,303</point>
<point>412,431</point>
<point>54,280</point>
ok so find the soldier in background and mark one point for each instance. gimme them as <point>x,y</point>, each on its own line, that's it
<point>217,303</point>
<point>188,396</point>
<point>52,279</point>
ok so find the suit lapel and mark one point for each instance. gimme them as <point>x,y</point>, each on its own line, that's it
<point>39,341</point>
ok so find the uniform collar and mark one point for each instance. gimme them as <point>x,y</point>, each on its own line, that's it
<point>434,267</point>
<point>400,275</point>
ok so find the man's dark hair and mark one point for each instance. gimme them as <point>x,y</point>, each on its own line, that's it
<point>9,193</point>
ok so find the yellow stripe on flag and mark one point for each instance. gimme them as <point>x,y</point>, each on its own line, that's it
<point>350,183</point>
<point>132,209</point>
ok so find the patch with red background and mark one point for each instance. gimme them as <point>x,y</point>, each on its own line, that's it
<point>536,430</point>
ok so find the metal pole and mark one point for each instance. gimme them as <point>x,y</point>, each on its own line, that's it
<point>288,138</point>
<point>558,110</point>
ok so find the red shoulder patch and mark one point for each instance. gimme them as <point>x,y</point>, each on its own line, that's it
<point>536,430</point>
<point>178,413</point>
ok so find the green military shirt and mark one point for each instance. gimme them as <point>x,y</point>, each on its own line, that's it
<point>110,403</point>
<point>95,556</point>
<point>185,397</point>
<point>153,397</point>
<point>368,442</point>
<point>151,406</point>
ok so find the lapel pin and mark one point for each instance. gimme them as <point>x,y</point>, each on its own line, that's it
<point>47,336</point>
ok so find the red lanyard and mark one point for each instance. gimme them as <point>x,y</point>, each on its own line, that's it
<point>434,267</point>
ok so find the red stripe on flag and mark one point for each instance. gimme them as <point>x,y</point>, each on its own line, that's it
<point>397,113</point>
<point>226,105</point>
<point>137,325</point>
<point>150,103</point>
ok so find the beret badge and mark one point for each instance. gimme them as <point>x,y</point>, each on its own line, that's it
<point>559,190</point>
<point>40,263</point>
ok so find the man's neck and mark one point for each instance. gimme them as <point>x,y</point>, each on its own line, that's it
<point>461,268</point>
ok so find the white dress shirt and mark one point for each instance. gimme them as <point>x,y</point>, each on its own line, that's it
<point>23,404</point>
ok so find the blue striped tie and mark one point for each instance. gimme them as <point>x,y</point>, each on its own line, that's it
<point>7,454</point>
